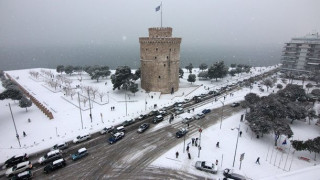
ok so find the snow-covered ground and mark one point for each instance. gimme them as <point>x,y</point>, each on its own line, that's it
<point>43,133</point>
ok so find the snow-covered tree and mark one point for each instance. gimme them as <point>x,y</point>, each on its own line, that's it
<point>203,66</point>
<point>25,103</point>
<point>133,88</point>
<point>203,75</point>
<point>122,75</point>
<point>268,83</point>
<point>191,78</point>
<point>101,95</point>
<point>60,69</point>
<point>68,70</point>
<point>181,73</point>
<point>189,67</point>
<point>217,70</point>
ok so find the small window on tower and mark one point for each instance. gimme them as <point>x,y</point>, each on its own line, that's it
<point>164,65</point>
<point>147,49</point>
<point>155,57</point>
<point>156,49</point>
<point>167,57</point>
<point>170,49</point>
<point>159,77</point>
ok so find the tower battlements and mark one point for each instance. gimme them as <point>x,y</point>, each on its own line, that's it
<point>156,32</point>
<point>160,40</point>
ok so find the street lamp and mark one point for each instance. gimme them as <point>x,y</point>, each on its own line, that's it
<point>108,96</point>
<point>15,127</point>
<point>221,113</point>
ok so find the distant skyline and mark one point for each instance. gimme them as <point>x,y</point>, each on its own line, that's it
<point>40,26</point>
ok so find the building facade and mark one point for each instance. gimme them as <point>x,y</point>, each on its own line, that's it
<point>160,60</point>
<point>302,55</point>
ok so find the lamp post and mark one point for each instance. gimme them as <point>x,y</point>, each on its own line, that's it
<point>221,113</point>
<point>80,111</point>
<point>108,96</point>
<point>15,127</point>
<point>235,151</point>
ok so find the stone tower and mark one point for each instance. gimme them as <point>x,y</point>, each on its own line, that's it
<point>160,60</point>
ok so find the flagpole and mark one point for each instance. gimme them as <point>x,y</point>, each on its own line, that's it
<point>161,13</point>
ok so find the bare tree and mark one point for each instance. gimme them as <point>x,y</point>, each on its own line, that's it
<point>101,94</point>
<point>72,93</point>
<point>84,100</point>
<point>268,83</point>
<point>68,81</point>
<point>94,92</point>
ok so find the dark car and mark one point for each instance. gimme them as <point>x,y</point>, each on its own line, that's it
<point>116,137</point>
<point>79,154</point>
<point>206,111</point>
<point>229,174</point>
<point>143,127</point>
<point>25,175</point>
<point>14,160</point>
<point>181,132</point>
<point>128,122</point>
<point>57,164</point>
<point>235,104</point>
<point>141,117</point>
<point>212,92</point>
<point>157,119</point>
<point>154,113</point>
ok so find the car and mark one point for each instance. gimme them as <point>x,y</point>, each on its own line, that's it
<point>16,169</point>
<point>178,105</point>
<point>199,116</point>
<point>143,127</point>
<point>60,146</point>
<point>118,129</point>
<point>187,120</point>
<point>79,154</point>
<point>128,122</point>
<point>82,138</point>
<point>157,119</point>
<point>116,137</point>
<point>181,132</point>
<point>154,113</point>
<point>206,166</point>
<point>211,92</point>
<point>14,160</point>
<point>50,156</point>
<point>179,111</point>
<point>141,117</point>
<point>25,175</point>
<point>107,129</point>
<point>57,164</point>
<point>198,99</point>
<point>229,174</point>
<point>206,111</point>
<point>235,104</point>
<point>163,113</point>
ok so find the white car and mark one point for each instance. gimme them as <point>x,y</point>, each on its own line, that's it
<point>50,156</point>
<point>19,168</point>
<point>107,129</point>
<point>81,138</point>
<point>206,166</point>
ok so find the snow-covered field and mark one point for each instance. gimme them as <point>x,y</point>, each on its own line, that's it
<point>66,125</point>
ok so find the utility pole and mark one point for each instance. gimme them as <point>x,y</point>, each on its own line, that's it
<point>125,99</point>
<point>235,151</point>
<point>80,111</point>
<point>199,147</point>
<point>90,107</point>
<point>15,127</point>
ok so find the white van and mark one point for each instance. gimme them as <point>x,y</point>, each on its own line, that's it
<point>81,138</point>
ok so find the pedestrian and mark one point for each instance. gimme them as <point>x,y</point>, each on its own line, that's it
<point>177,154</point>
<point>240,133</point>
<point>192,140</point>
<point>217,162</point>
<point>189,155</point>
<point>114,107</point>
<point>196,143</point>
<point>188,148</point>
<point>224,98</point>
<point>258,161</point>
<point>111,108</point>
<point>29,120</point>
<point>193,109</point>
<point>188,124</point>
<point>90,116</point>
<point>24,134</point>
<point>217,145</point>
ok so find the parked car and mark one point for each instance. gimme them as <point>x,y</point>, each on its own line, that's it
<point>25,175</point>
<point>235,104</point>
<point>157,119</point>
<point>107,129</point>
<point>128,122</point>
<point>60,146</point>
<point>116,137</point>
<point>15,160</point>
<point>181,132</point>
<point>212,92</point>
<point>187,120</point>
<point>82,137</point>
<point>50,156</point>
<point>57,164</point>
<point>199,116</point>
<point>16,169</point>
<point>198,99</point>
<point>141,117</point>
<point>179,111</point>
<point>163,112</point>
<point>118,129</point>
<point>143,127</point>
<point>206,166</point>
<point>206,111</point>
<point>154,113</point>
<point>229,174</point>
<point>79,154</point>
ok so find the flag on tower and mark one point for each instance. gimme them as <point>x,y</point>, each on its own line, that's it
<point>158,8</point>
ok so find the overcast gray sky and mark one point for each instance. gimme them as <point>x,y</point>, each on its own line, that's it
<point>121,22</point>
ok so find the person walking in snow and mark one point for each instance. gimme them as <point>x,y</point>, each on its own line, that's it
<point>177,154</point>
<point>217,162</point>
<point>258,161</point>
<point>240,133</point>
<point>192,140</point>
<point>188,148</point>
<point>217,145</point>
<point>24,134</point>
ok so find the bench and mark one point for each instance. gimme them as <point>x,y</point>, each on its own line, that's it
<point>304,158</point>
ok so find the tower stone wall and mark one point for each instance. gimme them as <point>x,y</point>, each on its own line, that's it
<point>160,60</point>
